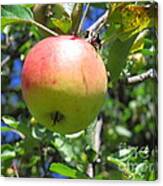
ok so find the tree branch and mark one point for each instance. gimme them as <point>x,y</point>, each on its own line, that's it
<point>5,60</point>
<point>83,17</point>
<point>151,73</point>
<point>95,27</point>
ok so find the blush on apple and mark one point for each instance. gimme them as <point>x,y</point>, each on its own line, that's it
<point>64,83</point>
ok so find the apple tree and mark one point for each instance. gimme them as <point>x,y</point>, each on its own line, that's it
<point>93,63</point>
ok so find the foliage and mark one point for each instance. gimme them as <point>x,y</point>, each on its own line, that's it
<point>128,148</point>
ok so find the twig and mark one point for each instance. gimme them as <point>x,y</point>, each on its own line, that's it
<point>99,23</point>
<point>95,27</point>
<point>83,17</point>
<point>5,60</point>
<point>43,27</point>
<point>15,169</point>
<point>90,170</point>
<point>96,146</point>
<point>151,73</point>
<point>97,139</point>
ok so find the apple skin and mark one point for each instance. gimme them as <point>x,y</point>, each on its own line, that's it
<point>64,83</point>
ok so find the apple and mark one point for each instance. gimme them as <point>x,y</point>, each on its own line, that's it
<point>64,83</point>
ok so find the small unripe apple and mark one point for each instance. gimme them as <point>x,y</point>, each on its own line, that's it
<point>64,83</point>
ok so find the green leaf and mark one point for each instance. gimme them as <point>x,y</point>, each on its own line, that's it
<point>7,152</point>
<point>123,131</point>
<point>121,165</point>
<point>126,20</point>
<point>99,5</point>
<point>62,9</point>
<point>14,126</point>
<point>63,170</point>
<point>7,155</point>
<point>64,24</point>
<point>135,18</point>
<point>10,121</point>
<point>118,53</point>
<point>15,14</point>
<point>28,5</point>
<point>5,129</point>
<point>64,148</point>
<point>7,147</point>
<point>124,152</point>
<point>139,42</point>
<point>148,52</point>
<point>60,18</point>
